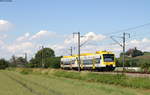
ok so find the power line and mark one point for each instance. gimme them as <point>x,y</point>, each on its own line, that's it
<point>128,29</point>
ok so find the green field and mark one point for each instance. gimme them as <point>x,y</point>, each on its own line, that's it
<point>15,83</point>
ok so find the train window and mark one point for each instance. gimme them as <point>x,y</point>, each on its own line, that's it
<point>73,61</point>
<point>66,63</point>
<point>108,57</point>
<point>86,62</point>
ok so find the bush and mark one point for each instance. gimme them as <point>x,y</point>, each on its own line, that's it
<point>129,62</point>
<point>3,64</point>
<point>45,58</point>
<point>51,62</point>
<point>145,66</point>
<point>26,71</point>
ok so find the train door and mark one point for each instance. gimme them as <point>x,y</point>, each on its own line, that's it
<point>93,62</point>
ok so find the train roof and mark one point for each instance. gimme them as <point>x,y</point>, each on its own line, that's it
<point>104,52</point>
<point>68,56</point>
<point>89,54</point>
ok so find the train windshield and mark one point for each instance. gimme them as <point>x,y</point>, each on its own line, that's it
<point>108,57</point>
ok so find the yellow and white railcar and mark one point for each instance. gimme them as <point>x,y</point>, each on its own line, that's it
<point>101,60</point>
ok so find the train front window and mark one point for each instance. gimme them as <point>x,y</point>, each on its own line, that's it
<point>108,57</point>
<point>97,60</point>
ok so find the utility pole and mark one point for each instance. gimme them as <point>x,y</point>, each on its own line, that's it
<point>123,59</point>
<point>42,57</point>
<point>70,51</point>
<point>79,61</point>
<point>79,51</point>
<point>122,45</point>
<point>25,58</point>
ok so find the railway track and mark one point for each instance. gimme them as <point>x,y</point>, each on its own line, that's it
<point>127,73</point>
<point>132,74</point>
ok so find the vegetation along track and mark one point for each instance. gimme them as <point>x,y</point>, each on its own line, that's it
<point>25,83</point>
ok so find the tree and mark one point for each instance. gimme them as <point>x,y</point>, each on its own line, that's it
<point>45,53</point>
<point>3,64</point>
<point>34,62</point>
<point>52,62</point>
<point>13,62</point>
<point>45,58</point>
<point>17,62</point>
<point>134,52</point>
<point>20,61</point>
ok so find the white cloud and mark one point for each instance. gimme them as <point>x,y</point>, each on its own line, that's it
<point>145,40</point>
<point>26,43</point>
<point>1,42</point>
<point>70,41</point>
<point>142,44</point>
<point>3,36</point>
<point>42,33</point>
<point>24,37</point>
<point>94,37</point>
<point>5,25</point>
<point>30,44</point>
<point>135,42</point>
<point>90,36</point>
<point>19,47</point>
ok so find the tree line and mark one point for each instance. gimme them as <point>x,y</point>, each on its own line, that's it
<point>135,58</point>
<point>44,58</point>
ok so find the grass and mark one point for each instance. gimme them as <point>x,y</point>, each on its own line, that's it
<point>122,80</point>
<point>49,84</point>
<point>119,79</point>
<point>9,87</point>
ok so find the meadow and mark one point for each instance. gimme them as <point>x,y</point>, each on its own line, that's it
<point>58,82</point>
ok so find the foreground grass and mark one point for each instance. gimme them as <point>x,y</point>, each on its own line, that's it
<point>48,84</point>
<point>9,87</point>
<point>122,80</point>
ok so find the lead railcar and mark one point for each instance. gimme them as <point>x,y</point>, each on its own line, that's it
<point>101,60</point>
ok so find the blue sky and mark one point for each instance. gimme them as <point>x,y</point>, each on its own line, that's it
<point>63,17</point>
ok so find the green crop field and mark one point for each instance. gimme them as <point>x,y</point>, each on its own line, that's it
<point>16,83</point>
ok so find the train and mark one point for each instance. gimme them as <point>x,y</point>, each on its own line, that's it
<point>101,61</point>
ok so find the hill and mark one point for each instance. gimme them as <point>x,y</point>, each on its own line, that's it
<point>145,57</point>
<point>134,61</point>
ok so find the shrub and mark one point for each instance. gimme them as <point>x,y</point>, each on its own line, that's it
<point>3,64</point>
<point>145,66</point>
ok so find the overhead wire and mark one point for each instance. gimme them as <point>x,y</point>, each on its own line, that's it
<point>111,33</point>
<point>128,29</point>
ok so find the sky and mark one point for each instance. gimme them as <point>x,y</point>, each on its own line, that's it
<point>27,25</point>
